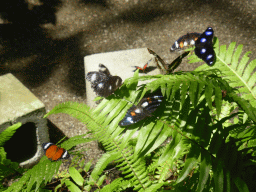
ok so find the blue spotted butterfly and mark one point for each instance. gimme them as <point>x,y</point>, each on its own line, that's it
<point>145,108</point>
<point>204,48</point>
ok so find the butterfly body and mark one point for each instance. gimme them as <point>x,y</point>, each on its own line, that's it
<point>54,153</point>
<point>144,109</point>
<point>102,82</point>
<point>204,48</point>
<point>184,41</point>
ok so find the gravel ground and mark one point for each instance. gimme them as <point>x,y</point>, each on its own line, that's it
<point>45,51</point>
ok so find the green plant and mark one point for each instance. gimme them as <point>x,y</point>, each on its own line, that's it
<point>188,145</point>
<point>38,176</point>
<point>8,168</point>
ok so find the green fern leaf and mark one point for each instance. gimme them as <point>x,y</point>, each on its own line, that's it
<point>191,161</point>
<point>241,185</point>
<point>101,165</point>
<point>43,171</point>
<point>241,75</point>
<point>73,141</point>
<point>205,166</point>
<point>8,133</point>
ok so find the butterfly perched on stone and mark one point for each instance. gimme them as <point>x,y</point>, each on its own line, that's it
<point>145,108</point>
<point>204,47</point>
<point>168,68</point>
<point>185,41</point>
<point>102,82</point>
<point>142,69</point>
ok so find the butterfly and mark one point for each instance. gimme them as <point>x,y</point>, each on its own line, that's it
<point>102,82</point>
<point>55,153</point>
<point>168,68</point>
<point>143,68</point>
<point>145,108</point>
<point>204,48</point>
<point>184,41</point>
<point>176,62</point>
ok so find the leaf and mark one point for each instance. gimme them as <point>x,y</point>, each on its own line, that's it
<point>241,75</point>
<point>218,176</point>
<point>218,100</point>
<point>205,167</point>
<point>190,163</point>
<point>71,186</point>
<point>241,185</point>
<point>87,166</point>
<point>8,133</point>
<point>101,180</point>
<point>75,175</point>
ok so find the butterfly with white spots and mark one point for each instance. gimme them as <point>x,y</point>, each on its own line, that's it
<point>145,108</point>
<point>102,82</point>
<point>185,41</point>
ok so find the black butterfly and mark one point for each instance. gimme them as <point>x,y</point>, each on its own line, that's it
<point>168,68</point>
<point>145,107</point>
<point>204,48</point>
<point>102,82</point>
<point>185,41</point>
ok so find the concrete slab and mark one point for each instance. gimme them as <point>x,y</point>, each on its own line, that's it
<point>120,63</point>
<point>18,104</point>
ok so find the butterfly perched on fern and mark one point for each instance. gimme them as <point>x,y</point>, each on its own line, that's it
<point>203,45</point>
<point>143,109</point>
<point>204,48</point>
<point>102,82</point>
<point>55,153</point>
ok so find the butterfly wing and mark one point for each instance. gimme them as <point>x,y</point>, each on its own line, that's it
<point>104,69</point>
<point>54,153</point>
<point>144,108</point>
<point>204,48</point>
<point>185,41</point>
<point>142,69</point>
<point>96,77</point>
<point>106,88</point>
<point>159,61</point>
<point>177,62</point>
<point>133,115</point>
<point>102,83</point>
<point>150,104</point>
<point>207,54</point>
<point>205,38</point>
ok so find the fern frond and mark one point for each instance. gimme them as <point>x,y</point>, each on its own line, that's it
<point>73,141</point>
<point>42,172</point>
<point>184,116</point>
<point>8,133</point>
<point>239,74</point>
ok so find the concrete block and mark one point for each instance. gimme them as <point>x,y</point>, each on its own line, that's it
<point>18,104</point>
<point>120,63</point>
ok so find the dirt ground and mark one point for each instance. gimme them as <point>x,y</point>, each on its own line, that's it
<point>43,43</point>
